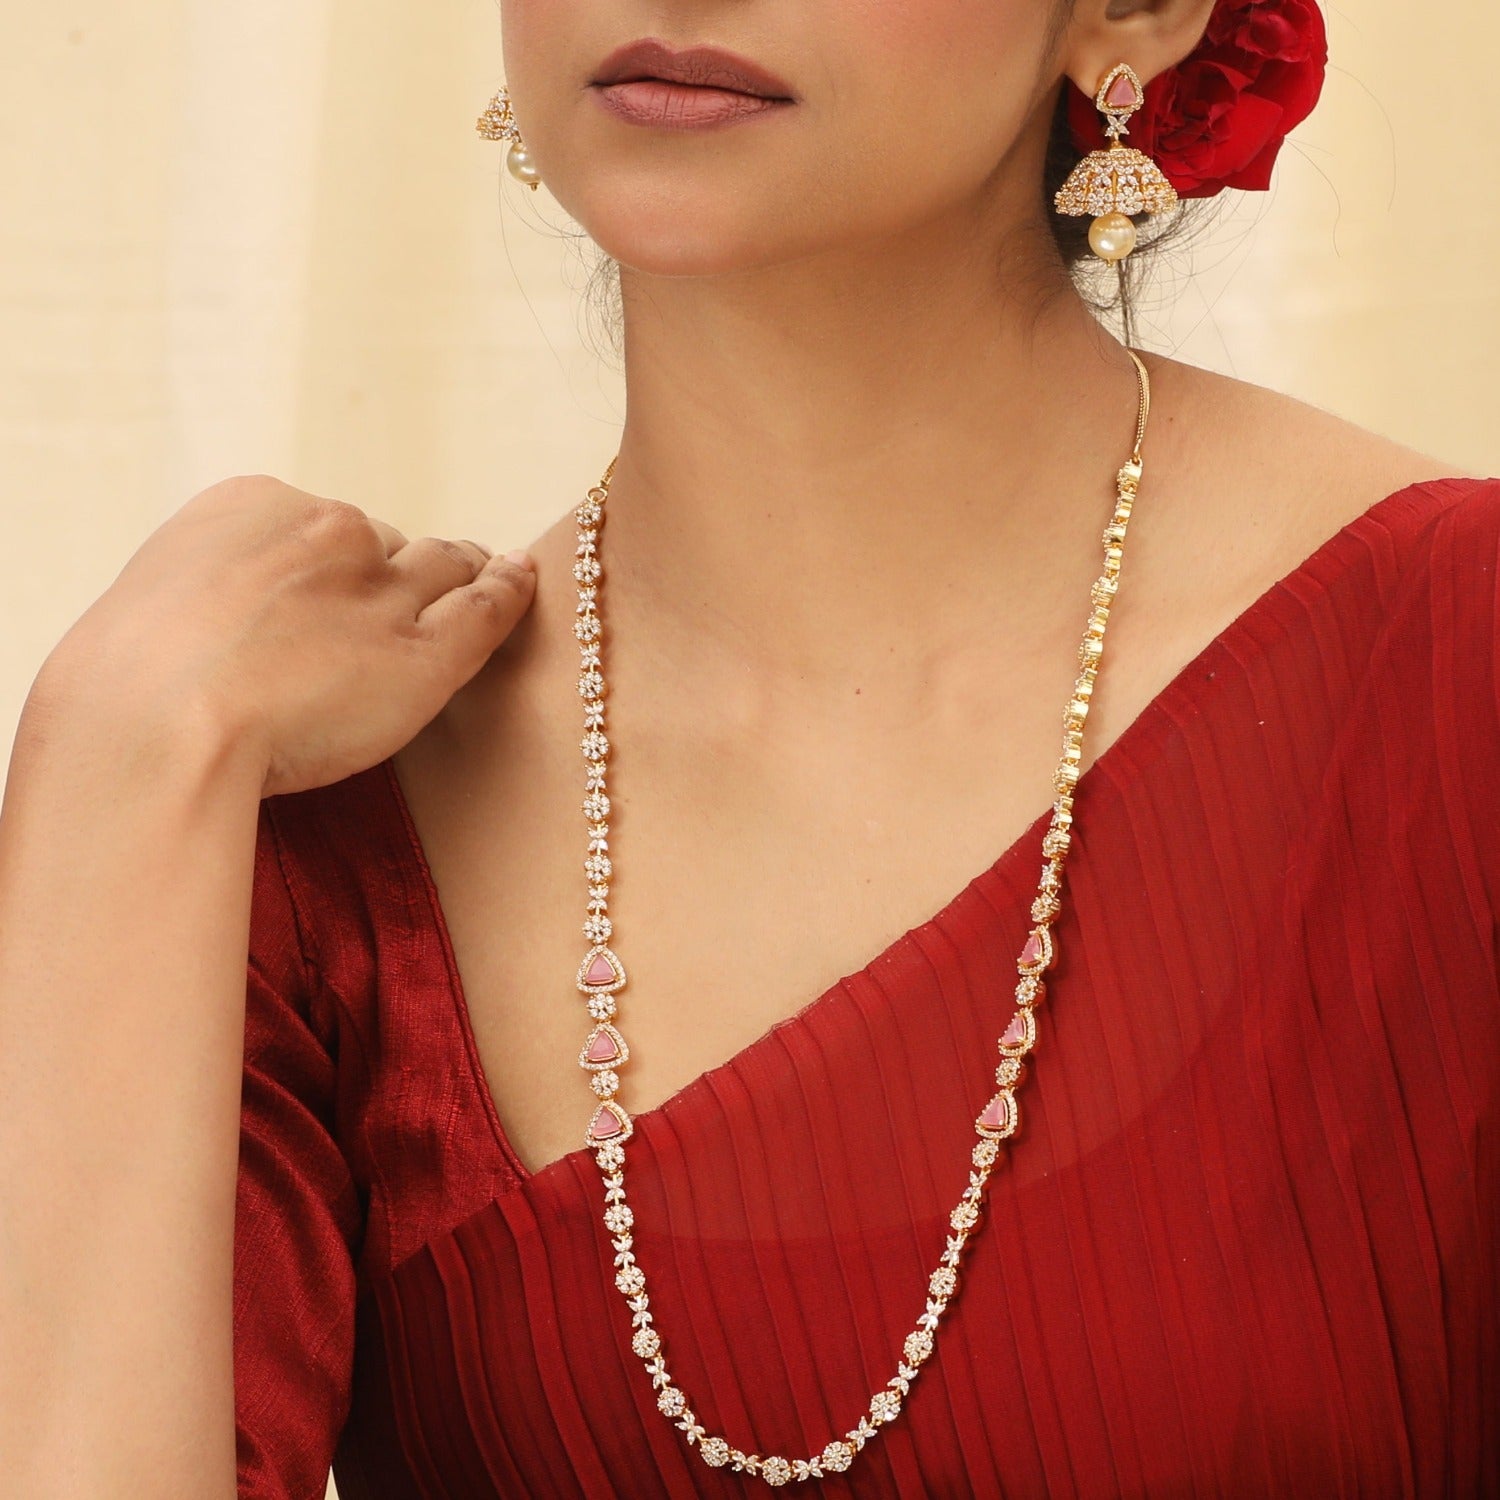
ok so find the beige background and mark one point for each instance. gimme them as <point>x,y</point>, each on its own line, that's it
<point>264,237</point>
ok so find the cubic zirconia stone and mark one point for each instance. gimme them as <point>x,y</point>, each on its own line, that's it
<point>965,1216</point>
<point>776,1471</point>
<point>836,1457</point>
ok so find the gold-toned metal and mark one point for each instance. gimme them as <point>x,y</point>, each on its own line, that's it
<point>1117,182</point>
<point>498,123</point>
<point>885,1405</point>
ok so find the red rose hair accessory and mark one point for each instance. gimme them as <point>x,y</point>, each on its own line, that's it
<point>1218,118</point>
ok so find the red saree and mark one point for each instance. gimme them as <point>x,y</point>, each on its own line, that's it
<point>1247,1242</point>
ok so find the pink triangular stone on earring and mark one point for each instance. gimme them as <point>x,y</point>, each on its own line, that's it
<point>1015,1033</point>
<point>1121,93</point>
<point>599,972</point>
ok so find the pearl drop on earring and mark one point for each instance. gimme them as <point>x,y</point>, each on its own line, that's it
<point>1112,236</point>
<point>519,162</point>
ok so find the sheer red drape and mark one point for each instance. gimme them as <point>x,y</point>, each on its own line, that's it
<point>1245,1243</point>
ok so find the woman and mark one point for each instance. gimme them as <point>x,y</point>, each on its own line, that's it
<point>1220,1216</point>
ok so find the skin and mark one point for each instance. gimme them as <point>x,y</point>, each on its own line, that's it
<point>870,441</point>
<point>261,639</point>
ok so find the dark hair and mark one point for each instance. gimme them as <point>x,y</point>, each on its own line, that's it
<point>1107,290</point>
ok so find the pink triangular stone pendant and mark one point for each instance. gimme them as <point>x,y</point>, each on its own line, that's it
<point>610,1123</point>
<point>1036,954</point>
<point>1020,1036</point>
<point>605,1048</point>
<point>999,1117</point>
<point>602,1047</point>
<point>600,972</point>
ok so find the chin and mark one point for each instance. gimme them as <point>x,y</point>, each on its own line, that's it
<point>683,238</point>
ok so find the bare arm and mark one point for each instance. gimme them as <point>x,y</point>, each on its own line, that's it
<point>126,855</point>
<point>261,641</point>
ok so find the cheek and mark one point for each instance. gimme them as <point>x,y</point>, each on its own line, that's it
<point>928,96</point>
<point>916,48</point>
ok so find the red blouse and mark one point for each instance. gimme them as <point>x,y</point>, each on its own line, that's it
<point>1246,1243</point>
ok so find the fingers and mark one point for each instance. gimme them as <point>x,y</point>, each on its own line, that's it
<point>468,622</point>
<point>431,565</point>
<point>393,539</point>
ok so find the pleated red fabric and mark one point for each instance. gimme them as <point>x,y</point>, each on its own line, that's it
<point>1246,1242</point>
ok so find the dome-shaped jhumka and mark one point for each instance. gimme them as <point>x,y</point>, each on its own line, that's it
<point>1115,183</point>
<point>1118,180</point>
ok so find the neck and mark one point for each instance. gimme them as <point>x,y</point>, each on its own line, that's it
<point>831,466</point>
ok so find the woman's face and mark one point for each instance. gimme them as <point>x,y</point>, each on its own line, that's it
<point>904,113</point>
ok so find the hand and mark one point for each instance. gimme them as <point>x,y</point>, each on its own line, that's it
<point>317,638</point>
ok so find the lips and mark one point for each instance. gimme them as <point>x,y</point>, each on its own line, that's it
<point>700,67</point>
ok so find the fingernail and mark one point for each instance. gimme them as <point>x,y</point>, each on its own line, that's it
<point>521,556</point>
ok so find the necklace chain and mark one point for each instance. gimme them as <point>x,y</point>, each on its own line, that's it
<point>601,975</point>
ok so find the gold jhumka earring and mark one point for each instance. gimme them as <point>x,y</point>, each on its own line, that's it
<point>1113,184</point>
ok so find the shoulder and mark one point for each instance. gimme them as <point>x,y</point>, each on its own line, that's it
<point>1249,484</point>
<point>1337,474</point>
<point>1217,422</point>
<point>1386,563</point>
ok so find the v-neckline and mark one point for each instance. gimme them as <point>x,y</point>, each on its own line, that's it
<point>1156,716</point>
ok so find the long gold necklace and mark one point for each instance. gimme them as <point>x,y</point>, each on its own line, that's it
<point>601,975</point>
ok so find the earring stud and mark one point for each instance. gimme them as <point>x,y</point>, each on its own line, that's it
<point>498,123</point>
<point>1117,182</point>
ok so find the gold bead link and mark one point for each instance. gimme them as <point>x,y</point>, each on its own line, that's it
<point>885,1404</point>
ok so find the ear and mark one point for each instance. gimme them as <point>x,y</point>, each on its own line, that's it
<point>1150,35</point>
